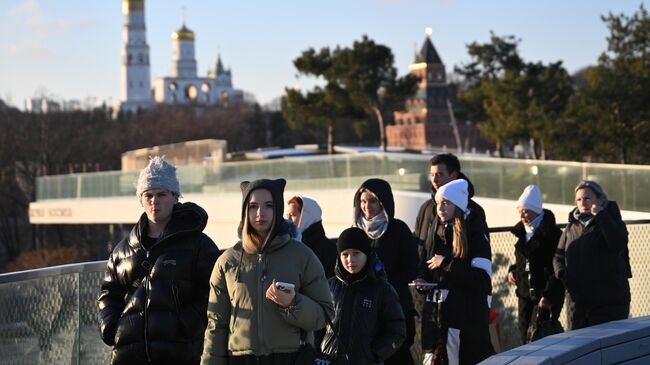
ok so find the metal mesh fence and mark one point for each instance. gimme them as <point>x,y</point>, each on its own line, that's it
<point>49,316</point>
<point>51,320</point>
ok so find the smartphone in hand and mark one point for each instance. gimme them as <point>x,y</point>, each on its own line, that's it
<point>286,287</point>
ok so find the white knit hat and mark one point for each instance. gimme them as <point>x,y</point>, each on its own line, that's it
<point>456,192</point>
<point>159,174</point>
<point>531,199</point>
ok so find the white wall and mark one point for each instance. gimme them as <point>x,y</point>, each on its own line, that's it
<point>224,210</point>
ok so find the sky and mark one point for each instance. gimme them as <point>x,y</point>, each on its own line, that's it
<point>70,49</point>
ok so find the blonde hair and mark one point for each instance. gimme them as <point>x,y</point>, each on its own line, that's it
<point>459,243</point>
<point>252,241</point>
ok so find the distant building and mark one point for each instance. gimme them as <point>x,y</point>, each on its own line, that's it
<point>426,121</point>
<point>180,154</point>
<point>135,71</point>
<point>183,86</point>
<point>44,105</point>
<point>41,106</point>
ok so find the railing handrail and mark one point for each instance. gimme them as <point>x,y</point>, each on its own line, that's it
<point>94,266</point>
<point>91,266</point>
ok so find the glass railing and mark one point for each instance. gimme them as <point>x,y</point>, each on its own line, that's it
<point>50,315</point>
<point>492,177</point>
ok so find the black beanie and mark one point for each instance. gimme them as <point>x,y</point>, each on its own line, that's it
<point>354,238</point>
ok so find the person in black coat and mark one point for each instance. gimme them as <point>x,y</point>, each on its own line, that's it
<point>461,266</point>
<point>592,259</point>
<point>540,293</point>
<point>392,240</point>
<point>154,298</point>
<point>368,324</point>
<point>443,168</point>
<point>306,214</point>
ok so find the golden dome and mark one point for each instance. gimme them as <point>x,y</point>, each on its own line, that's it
<point>129,6</point>
<point>183,34</point>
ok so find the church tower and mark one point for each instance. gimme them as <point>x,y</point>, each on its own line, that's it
<point>135,73</point>
<point>183,61</point>
<point>433,92</point>
<point>427,119</point>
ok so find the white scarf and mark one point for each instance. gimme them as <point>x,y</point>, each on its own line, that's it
<point>376,226</point>
<point>530,228</point>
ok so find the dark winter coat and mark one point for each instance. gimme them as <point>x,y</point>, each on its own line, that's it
<point>396,248</point>
<point>593,261</point>
<point>368,324</point>
<point>153,304</point>
<point>314,237</point>
<point>425,229</point>
<point>538,252</point>
<point>468,280</point>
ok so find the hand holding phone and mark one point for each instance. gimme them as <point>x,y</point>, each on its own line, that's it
<point>422,285</point>
<point>285,287</point>
<point>282,293</point>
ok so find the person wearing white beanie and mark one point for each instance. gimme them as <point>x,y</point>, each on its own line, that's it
<point>456,192</point>
<point>531,199</point>
<point>462,268</point>
<point>158,277</point>
<point>540,293</point>
<point>443,168</point>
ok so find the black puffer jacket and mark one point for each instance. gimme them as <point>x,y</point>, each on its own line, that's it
<point>396,248</point>
<point>539,252</point>
<point>368,322</point>
<point>153,304</point>
<point>592,260</point>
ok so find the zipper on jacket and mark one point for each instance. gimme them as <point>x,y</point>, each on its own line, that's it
<point>146,317</point>
<point>260,297</point>
<point>147,278</point>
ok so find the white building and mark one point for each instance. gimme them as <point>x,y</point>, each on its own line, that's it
<point>135,72</point>
<point>41,105</point>
<point>183,86</point>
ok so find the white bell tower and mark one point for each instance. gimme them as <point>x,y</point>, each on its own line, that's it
<point>135,74</point>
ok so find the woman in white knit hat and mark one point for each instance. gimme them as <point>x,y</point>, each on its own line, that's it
<point>540,294</point>
<point>462,268</point>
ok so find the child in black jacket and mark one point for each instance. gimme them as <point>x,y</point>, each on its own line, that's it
<point>368,324</point>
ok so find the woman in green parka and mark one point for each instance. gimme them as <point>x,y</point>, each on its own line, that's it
<point>251,320</point>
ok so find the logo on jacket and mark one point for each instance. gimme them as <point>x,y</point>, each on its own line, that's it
<point>169,262</point>
<point>367,303</point>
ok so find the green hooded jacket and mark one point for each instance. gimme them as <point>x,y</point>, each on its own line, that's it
<point>242,321</point>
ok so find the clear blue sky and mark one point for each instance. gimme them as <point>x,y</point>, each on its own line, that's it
<point>71,48</point>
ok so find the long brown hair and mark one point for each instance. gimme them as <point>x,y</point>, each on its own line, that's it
<point>252,241</point>
<point>459,243</point>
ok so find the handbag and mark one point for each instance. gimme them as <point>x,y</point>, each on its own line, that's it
<point>308,355</point>
<point>544,325</point>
